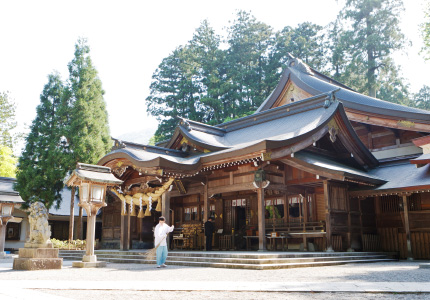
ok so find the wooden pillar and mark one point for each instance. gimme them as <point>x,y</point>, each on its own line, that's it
<point>80,225</point>
<point>407,228</point>
<point>206,202</point>
<point>327,216</point>
<point>349,234</point>
<point>165,211</point>
<point>129,231</point>
<point>261,220</point>
<point>2,239</point>
<point>165,207</point>
<point>125,232</point>
<point>305,220</point>
<point>72,213</point>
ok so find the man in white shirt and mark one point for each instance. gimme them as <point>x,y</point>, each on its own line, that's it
<point>160,234</point>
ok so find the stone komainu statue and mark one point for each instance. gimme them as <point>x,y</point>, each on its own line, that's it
<point>40,231</point>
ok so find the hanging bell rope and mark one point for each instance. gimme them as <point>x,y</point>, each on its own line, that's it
<point>141,214</point>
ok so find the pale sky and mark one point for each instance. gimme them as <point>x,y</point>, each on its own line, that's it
<point>128,40</point>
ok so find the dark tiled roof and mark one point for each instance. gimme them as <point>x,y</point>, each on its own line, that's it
<point>7,193</point>
<point>316,83</point>
<point>402,175</point>
<point>333,166</point>
<point>270,129</point>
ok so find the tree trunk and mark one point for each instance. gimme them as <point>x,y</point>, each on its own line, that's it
<point>72,214</point>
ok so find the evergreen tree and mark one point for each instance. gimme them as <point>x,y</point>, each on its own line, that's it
<point>7,120</point>
<point>374,33</point>
<point>88,132</point>
<point>422,98</point>
<point>174,92</point>
<point>247,57</point>
<point>209,61</point>
<point>305,42</point>
<point>43,164</point>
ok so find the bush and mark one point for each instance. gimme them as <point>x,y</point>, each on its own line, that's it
<point>65,245</point>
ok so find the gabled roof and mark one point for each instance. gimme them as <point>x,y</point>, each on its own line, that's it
<point>7,193</point>
<point>316,83</point>
<point>258,133</point>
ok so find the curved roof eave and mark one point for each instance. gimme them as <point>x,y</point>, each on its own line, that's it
<point>343,95</point>
<point>197,142</point>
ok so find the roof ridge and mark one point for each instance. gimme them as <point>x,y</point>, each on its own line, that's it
<point>304,104</point>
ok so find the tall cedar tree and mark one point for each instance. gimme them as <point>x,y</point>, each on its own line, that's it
<point>44,162</point>
<point>88,133</point>
<point>249,43</point>
<point>174,92</point>
<point>374,34</point>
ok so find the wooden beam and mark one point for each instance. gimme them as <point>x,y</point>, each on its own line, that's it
<point>190,191</point>
<point>231,188</point>
<point>125,233</point>
<point>296,163</point>
<point>303,181</point>
<point>374,119</point>
<point>284,152</point>
<point>407,228</point>
<point>327,215</point>
<point>261,220</point>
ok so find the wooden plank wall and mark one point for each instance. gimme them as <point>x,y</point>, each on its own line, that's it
<point>319,197</point>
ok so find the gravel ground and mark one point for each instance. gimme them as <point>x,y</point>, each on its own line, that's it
<point>403,271</point>
<point>133,295</point>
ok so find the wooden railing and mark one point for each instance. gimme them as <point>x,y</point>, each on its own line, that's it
<point>280,225</point>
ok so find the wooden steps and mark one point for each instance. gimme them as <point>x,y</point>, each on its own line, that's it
<point>239,260</point>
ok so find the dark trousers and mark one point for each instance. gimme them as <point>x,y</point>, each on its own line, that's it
<point>209,242</point>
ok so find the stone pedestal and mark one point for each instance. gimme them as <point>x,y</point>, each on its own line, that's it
<point>34,258</point>
<point>89,261</point>
<point>85,264</point>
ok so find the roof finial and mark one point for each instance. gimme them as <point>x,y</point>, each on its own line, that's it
<point>298,64</point>
<point>331,97</point>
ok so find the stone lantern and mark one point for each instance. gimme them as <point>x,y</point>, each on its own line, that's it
<point>8,199</point>
<point>92,181</point>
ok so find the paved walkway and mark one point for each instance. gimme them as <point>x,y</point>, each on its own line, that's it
<point>363,281</point>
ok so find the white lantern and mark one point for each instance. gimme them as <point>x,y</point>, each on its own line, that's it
<point>84,192</point>
<point>97,192</point>
<point>6,210</point>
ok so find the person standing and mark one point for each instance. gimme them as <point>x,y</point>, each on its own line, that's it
<point>160,235</point>
<point>209,230</point>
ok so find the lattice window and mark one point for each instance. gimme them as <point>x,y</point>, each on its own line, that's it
<point>391,204</point>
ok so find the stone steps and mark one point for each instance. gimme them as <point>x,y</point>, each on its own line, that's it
<point>256,261</point>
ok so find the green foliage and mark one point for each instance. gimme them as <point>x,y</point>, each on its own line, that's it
<point>422,98</point>
<point>71,126</point>
<point>210,81</point>
<point>88,133</point>
<point>213,79</point>
<point>371,33</point>
<point>7,162</point>
<point>69,245</point>
<point>44,161</point>
<point>7,120</point>
<point>425,32</point>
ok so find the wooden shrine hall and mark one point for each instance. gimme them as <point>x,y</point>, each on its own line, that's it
<point>317,167</point>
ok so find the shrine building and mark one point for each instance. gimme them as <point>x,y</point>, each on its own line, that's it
<point>317,165</point>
